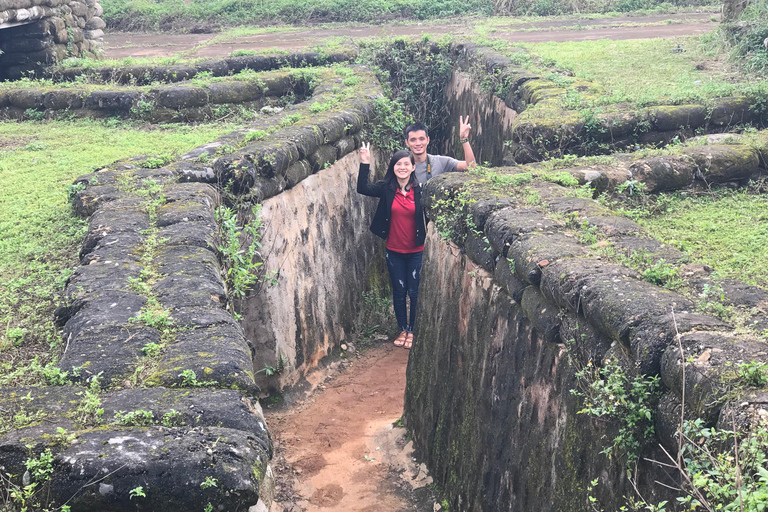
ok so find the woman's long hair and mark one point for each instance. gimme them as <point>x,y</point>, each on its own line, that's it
<point>390,179</point>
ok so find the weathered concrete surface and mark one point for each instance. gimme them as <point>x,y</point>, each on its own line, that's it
<point>490,117</point>
<point>316,237</point>
<point>488,399</point>
<point>495,356</point>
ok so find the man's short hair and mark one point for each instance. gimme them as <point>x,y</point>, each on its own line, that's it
<point>415,127</point>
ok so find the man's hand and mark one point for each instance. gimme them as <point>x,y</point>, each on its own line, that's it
<point>365,153</point>
<point>464,127</point>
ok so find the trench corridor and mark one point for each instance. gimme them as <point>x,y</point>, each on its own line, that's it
<point>338,450</point>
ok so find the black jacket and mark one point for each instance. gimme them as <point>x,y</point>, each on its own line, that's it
<point>386,194</point>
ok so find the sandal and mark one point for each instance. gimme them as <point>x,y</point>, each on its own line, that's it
<point>400,340</point>
<point>408,341</point>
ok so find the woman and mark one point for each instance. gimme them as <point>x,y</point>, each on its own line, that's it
<point>399,219</point>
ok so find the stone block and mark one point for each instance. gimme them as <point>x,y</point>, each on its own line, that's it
<point>26,44</point>
<point>677,117</point>
<point>177,459</point>
<point>26,98</point>
<point>731,111</point>
<point>306,138</point>
<point>64,99</point>
<point>112,101</point>
<point>177,97</point>
<point>108,349</point>
<point>233,92</point>
<point>95,23</point>
<point>506,278</point>
<point>711,369</point>
<point>664,172</point>
<point>504,226</point>
<point>217,354</point>
<point>297,172</point>
<point>721,163</point>
<point>480,251</point>
<point>543,315</point>
<point>93,35</point>
<point>322,157</point>
<point>536,250</point>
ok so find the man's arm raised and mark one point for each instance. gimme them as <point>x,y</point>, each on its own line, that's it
<point>469,155</point>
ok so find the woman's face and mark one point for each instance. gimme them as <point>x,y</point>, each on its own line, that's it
<point>403,168</point>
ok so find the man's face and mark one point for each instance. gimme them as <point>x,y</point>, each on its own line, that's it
<point>417,142</point>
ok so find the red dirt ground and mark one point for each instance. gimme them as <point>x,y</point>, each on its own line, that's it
<point>338,449</point>
<point>123,44</point>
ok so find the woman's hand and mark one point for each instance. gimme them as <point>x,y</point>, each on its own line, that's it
<point>365,153</point>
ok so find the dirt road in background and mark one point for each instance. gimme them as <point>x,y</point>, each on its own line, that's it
<point>119,45</point>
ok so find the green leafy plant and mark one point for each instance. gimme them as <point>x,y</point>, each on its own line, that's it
<point>137,492</point>
<point>189,380</point>
<point>754,373</point>
<point>172,418</point>
<point>138,418</point>
<point>155,162</point>
<point>609,393</point>
<point>239,248</point>
<point>208,483</point>
<point>89,410</point>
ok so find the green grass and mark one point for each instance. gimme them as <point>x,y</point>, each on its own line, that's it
<point>726,230</point>
<point>40,237</point>
<point>646,72</point>
<point>148,14</point>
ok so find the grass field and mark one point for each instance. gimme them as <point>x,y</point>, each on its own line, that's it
<point>40,237</point>
<point>646,71</point>
<point>727,230</point>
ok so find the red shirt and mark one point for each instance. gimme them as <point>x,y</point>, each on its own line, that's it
<point>402,225</point>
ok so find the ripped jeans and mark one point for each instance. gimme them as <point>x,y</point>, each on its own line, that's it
<point>404,269</point>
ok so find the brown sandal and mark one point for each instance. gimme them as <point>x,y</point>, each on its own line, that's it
<point>408,340</point>
<point>400,340</point>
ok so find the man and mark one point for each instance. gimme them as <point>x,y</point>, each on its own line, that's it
<point>427,166</point>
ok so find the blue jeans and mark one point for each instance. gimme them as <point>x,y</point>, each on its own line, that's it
<point>404,272</point>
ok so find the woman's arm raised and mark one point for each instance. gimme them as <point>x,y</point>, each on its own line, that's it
<point>363,186</point>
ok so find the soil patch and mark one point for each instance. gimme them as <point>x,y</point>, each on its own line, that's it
<point>338,449</point>
<point>119,45</point>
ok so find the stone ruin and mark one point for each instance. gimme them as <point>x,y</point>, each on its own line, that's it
<point>487,398</point>
<point>37,33</point>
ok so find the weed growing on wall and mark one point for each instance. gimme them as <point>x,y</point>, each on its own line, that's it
<point>374,317</point>
<point>609,392</point>
<point>239,248</point>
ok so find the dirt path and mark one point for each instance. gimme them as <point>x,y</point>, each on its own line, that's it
<point>122,44</point>
<point>338,450</point>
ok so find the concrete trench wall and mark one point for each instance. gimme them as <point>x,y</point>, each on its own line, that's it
<point>151,250</point>
<point>37,33</point>
<point>508,315</point>
<point>318,241</point>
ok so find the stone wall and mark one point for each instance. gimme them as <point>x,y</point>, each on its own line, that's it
<point>37,33</point>
<point>156,385</point>
<point>516,304</point>
<point>319,243</point>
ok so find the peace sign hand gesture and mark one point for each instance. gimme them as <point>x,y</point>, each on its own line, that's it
<point>365,153</point>
<point>464,127</point>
